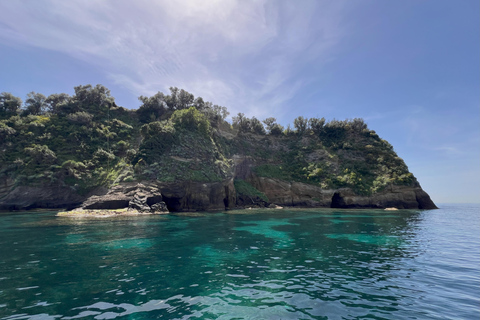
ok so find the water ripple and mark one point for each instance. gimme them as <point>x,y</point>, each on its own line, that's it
<point>297,264</point>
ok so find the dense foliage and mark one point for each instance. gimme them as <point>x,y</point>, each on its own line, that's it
<point>86,140</point>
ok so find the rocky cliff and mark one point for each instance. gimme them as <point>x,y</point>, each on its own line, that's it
<point>177,153</point>
<point>154,196</point>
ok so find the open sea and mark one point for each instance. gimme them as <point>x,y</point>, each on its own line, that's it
<point>246,264</point>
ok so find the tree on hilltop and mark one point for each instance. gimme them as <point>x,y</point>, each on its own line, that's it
<point>35,104</point>
<point>9,104</point>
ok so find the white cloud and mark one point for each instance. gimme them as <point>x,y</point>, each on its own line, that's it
<point>241,54</point>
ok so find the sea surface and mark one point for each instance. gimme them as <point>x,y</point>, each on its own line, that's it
<point>247,264</point>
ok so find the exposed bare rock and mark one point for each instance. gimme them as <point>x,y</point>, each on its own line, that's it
<point>154,197</point>
<point>424,200</point>
<point>243,167</point>
<point>287,193</point>
<point>400,197</point>
<point>136,196</point>
<point>139,203</point>
<point>159,207</point>
<point>6,186</point>
<point>29,197</point>
<point>197,196</point>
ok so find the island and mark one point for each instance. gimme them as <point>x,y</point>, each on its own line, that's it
<point>177,152</point>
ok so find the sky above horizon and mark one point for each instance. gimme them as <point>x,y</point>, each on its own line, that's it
<point>410,69</point>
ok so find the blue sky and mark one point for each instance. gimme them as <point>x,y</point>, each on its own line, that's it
<point>411,69</point>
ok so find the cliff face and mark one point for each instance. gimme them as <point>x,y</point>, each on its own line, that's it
<point>195,196</point>
<point>207,196</point>
<point>18,197</point>
<point>90,153</point>
<point>291,193</point>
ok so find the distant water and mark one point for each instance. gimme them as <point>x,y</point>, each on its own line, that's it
<point>265,264</point>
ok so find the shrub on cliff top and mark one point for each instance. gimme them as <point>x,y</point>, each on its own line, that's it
<point>158,138</point>
<point>191,119</point>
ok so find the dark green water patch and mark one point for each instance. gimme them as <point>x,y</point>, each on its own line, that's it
<point>380,240</point>
<point>250,264</point>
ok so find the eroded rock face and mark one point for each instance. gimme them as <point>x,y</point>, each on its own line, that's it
<point>153,197</point>
<point>400,197</point>
<point>136,196</point>
<point>139,203</point>
<point>159,207</point>
<point>424,200</point>
<point>197,196</point>
<point>287,193</point>
<point>30,197</point>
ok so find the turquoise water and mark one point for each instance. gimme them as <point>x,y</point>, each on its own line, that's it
<point>265,264</point>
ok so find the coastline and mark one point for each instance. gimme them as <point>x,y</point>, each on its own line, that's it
<point>108,213</point>
<point>104,213</point>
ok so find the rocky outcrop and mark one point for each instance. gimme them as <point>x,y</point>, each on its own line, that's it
<point>30,197</point>
<point>197,196</point>
<point>157,197</point>
<point>287,193</point>
<point>251,201</point>
<point>142,197</point>
<point>400,197</point>
<point>423,199</point>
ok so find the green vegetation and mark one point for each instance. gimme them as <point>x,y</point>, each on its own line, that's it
<point>86,140</point>
<point>77,141</point>
<point>245,189</point>
<point>332,155</point>
<point>272,171</point>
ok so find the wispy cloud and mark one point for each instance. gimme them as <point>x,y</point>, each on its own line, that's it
<point>446,134</point>
<point>450,150</point>
<point>242,54</point>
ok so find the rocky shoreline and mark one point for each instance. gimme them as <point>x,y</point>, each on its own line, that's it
<point>149,197</point>
<point>103,213</point>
